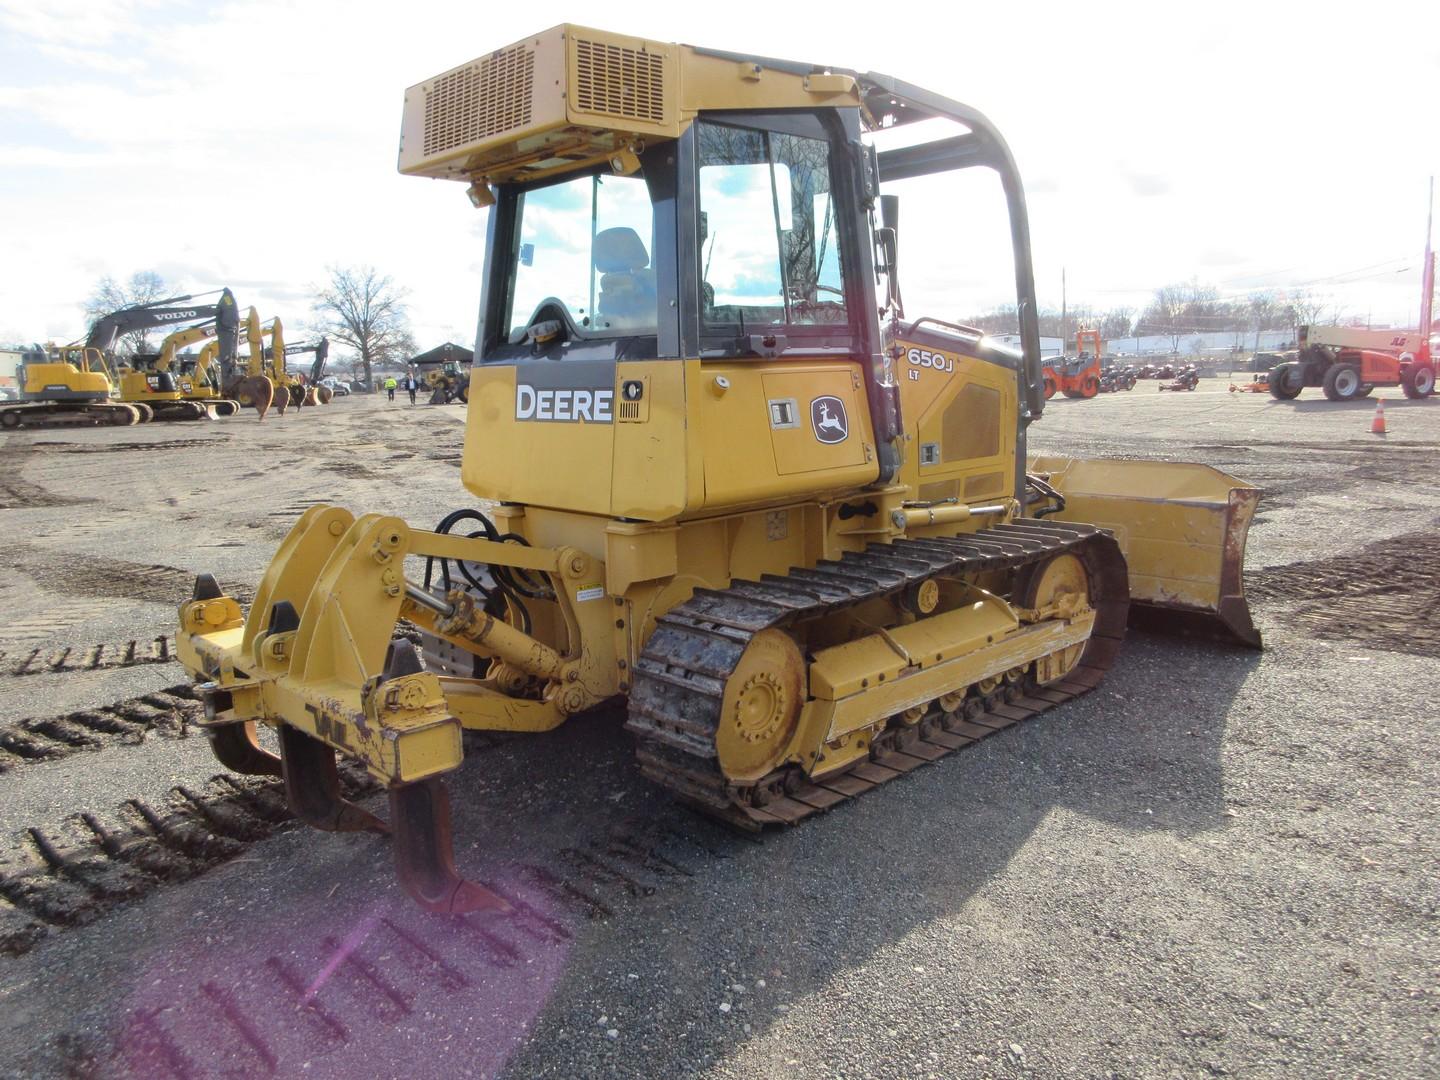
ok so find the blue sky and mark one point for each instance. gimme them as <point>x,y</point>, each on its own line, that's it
<point>252,144</point>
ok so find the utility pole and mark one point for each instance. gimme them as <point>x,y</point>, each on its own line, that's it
<point>1064,321</point>
<point>1427,275</point>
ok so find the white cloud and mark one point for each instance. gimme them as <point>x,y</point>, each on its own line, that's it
<point>256,143</point>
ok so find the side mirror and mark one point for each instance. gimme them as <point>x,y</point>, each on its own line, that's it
<point>890,212</point>
<point>885,241</point>
<point>889,234</point>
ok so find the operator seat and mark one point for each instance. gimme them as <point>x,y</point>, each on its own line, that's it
<point>627,285</point>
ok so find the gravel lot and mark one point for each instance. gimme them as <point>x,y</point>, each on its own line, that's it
<point>1219,863</point>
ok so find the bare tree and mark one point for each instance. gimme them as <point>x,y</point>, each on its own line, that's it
<point>1166,314</point>
<point>143,287</point>
<point>1305,308</point>
<point>1117,323</point>
<point>364,309</point>
<point>1264,312</point>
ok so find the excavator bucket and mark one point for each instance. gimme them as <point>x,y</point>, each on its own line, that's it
<point>1182,528</point>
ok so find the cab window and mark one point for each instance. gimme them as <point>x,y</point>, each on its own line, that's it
<point>769,243</point>
<point>587,242</point>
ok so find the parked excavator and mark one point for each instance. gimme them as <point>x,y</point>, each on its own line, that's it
<point>76,383</point>
<point>290,386</point>
<point>264,378</point>
<point>148,382</point>
<point>315,392</point>
<point>201,379</point>
<point>67,385</point>
<point>789,528</point>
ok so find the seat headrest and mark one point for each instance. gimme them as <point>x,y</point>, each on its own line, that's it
<point>620,251</point>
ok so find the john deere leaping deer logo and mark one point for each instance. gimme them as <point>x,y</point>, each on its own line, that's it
<point>827,418</point>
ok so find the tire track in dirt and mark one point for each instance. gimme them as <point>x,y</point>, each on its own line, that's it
<point>264,1011</point>
<point>171,713</point>
<point>1383,596</point>
<point>70,873</point>
<point>67,874</point>
<point>115,578</point>
<point>67,659</point>
<point>17,493</point>
<point>61,447</point>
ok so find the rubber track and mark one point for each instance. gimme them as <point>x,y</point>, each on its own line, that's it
<point>46,415</point>
<point>679,678</point>
<point>170,712</point>
<point>71,873</point>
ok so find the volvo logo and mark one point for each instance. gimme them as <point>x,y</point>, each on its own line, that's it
<point>828,419</point>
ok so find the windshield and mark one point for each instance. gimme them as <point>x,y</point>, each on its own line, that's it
<point>586,242</point>
<point>770,251</point>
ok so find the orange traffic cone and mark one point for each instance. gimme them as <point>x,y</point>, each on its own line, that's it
<point>1377,425</point>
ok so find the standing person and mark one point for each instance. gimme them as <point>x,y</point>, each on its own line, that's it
<point>390,387</point>
<point>412,384</point>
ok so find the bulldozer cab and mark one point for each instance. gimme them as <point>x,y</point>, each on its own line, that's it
<point>701,250</point>
<point>749,252</point>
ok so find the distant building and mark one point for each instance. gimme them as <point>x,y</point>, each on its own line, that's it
<point>1049,346</point>
<point>443,354</point>
<point>10,361</point>
<point>1210,342</point>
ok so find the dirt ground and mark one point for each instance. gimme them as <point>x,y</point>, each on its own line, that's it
<point>1220,863</point>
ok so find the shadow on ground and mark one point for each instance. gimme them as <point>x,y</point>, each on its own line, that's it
<point>302,955</point>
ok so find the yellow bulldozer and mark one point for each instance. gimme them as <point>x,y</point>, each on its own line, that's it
<point>716,476</point>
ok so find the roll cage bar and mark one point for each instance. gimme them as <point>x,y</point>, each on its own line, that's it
<point>889,102</point>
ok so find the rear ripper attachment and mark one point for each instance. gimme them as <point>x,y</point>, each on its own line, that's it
<point>316,659</point>
<point>748,701</point>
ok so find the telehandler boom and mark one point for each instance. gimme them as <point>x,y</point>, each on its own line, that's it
<point>718,474</point>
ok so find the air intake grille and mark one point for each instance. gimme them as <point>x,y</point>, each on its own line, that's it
<point>618,81</point>
<point>488,97</point>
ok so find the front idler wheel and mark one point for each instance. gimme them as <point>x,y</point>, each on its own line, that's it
<point>761,707</point>
<point>1060,586</point>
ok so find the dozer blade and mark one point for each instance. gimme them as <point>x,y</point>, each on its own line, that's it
<point>424,856</point>
<point>1182,528</point>
<point>312,787</point>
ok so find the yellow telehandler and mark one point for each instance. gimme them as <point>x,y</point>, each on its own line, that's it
<point>717,476</point>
